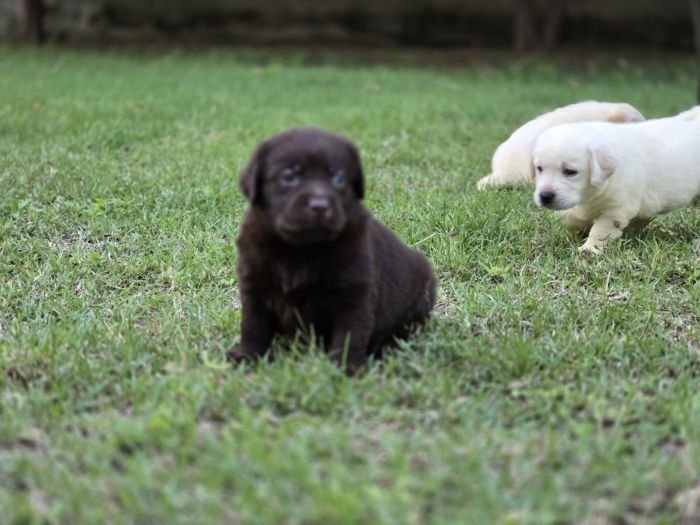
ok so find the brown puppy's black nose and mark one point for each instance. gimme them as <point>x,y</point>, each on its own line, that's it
<point>546,197</point>
<point>318,204</point>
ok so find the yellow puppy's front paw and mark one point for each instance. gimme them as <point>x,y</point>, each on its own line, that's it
<point>485,182</point>
<point>590,249</point>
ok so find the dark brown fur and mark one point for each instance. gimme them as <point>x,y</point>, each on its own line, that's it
<point>311,256</point>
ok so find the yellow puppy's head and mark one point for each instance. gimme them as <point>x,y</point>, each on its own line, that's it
<point>570,163</point>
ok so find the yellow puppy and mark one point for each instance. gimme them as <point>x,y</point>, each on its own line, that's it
<point>606,176</point>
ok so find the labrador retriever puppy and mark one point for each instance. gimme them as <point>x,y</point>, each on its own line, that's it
<point>311,256</point>
<point>690,114</point>
<point>605,176</point>
<point>510,165</point>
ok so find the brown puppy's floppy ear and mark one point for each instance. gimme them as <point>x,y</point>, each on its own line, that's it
<point>251,176</point>
<point>603,164</point>
<point>358,182</point>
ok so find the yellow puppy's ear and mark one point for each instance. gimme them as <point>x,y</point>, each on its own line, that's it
<point>619,116</point>
<point>626,113</point>
<point>533,173</point>
<point>603,164</point>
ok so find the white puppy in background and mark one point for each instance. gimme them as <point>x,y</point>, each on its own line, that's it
<point>608,175</point>
<point>510,165</point>
<point>691,114</point>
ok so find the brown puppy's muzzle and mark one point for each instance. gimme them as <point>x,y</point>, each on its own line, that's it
<point>319,208</point>
<point>311,217</point>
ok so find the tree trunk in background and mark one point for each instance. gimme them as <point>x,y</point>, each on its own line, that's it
<point>552,23</point>
<point>695,15</point>
<point>524,26</point>
<point>33,13</point>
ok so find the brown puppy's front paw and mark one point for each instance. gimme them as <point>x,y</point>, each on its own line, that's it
<point>351,365</point>
<point>238,354</point>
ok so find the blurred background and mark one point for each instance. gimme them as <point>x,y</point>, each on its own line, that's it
<point>518,25</point>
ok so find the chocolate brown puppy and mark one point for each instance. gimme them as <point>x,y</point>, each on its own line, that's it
<point>311,257</point>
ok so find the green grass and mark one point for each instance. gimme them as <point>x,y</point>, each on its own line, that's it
<point>547,388</point>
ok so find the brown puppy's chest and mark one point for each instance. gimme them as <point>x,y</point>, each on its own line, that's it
<point>305,294</point>
<point>304,285</point>
<point>296,296</point>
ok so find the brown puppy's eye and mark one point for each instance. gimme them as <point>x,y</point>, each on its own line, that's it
<point>539,169</point>
<point>289,177</point>
<point>569,172</point>
<point>338,180</point>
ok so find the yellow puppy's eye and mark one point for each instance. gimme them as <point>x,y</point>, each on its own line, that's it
<point>539,169</point>
<point>569,172</point>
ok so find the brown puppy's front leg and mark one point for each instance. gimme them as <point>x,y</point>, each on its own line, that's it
<point>353,322</point>
<point>258,327</point>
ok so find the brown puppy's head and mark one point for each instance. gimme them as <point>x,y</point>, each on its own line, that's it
<point>306,182</point>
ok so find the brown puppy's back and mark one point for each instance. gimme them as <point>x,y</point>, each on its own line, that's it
<point>406,286</point>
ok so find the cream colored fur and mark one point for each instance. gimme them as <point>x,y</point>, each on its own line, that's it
<point>605,176</point>
<point>510,165</point>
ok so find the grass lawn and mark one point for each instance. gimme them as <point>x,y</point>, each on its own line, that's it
<point>547,388</point>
